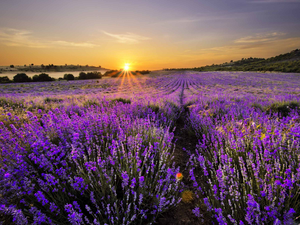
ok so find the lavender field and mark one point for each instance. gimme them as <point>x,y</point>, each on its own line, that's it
<point>105,151</point>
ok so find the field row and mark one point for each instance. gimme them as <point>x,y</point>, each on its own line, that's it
<point>102,151</point>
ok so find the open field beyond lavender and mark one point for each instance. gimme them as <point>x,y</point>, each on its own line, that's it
<point>110,151</point>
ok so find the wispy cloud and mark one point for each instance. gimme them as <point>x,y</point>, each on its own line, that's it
<point>127,38</point>
<point>241,49</point>
<point>259,46</point>
<point>15,37</point>
<point>74,44</point>
<point>25,38</point>
<point>260,38</point>
<point>194,19</point>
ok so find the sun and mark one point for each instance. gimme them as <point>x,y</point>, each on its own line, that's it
<point>126,67</point>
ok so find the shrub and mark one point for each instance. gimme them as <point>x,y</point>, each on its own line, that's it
<point>35,78</point>
<point>82,76</point>
<point>42,77</point>
<point>89,75</point>
<point>90,102</point>
<point>154,108</point>
<point>5,80</point>
<point>55,100</point>
<point>282,108</point>
<point>110,72</point>
<point>123,100</point>
<point>69,77</point>
<point>21,77</point>
<point>45,77</point>
<point>93,75</point>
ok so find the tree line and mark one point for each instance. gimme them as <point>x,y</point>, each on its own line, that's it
<point>23,77</point>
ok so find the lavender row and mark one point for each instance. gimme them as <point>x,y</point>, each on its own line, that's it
<point>248,155</point>
<point>109,163</point>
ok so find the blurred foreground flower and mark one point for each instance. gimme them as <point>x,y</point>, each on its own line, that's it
<point>187,196</point>
<point>179,176</point>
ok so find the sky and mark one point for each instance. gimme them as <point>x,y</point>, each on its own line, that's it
<point>147,34</point>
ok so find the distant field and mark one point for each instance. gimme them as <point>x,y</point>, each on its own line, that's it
<point>106,151</point>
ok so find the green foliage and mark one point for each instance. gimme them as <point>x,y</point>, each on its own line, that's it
<point>10,103</point>
<point>257,106</point>
<point>154,108</point>
<point>289,62</point>
<point>55,100</point>
<point>283,108</point>
<point>91,103</point>
<point>123,100</point>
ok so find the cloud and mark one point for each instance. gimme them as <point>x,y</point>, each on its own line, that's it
<point>127,38</point>
<point>14,37</point>
<point>225,53</point>
<point>74,44</point>
<point>259,38</point>
<point>24,38</point>
<point>187,20</point>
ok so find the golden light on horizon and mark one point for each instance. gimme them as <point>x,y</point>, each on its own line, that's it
<point>126,67</point>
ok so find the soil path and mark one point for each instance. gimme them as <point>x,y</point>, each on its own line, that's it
<point>184,139</point>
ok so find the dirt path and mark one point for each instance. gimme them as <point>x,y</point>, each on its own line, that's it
<point>184,139</point>
<point>182,214</point>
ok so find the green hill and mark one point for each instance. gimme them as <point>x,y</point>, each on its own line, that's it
<point>288,62</point>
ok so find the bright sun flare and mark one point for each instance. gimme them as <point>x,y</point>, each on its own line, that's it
<point>126,67</point>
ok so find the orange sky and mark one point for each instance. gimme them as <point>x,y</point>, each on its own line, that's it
<point>146,34</point>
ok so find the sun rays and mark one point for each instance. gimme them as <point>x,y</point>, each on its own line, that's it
<point>128,82</point>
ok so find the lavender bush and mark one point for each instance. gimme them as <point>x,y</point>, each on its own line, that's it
<point>250,162</point>
<point>98,165</point>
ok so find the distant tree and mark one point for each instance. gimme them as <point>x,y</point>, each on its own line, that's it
<point>12,66</point>
<point>32,64</point>
<point>45,77</point>
<point>42,66</point>
<point>25,65</point>
<point>82,76</point>
<point>89,75</point>
<point>35,78</point>
<point>143,71</point>
<point>69,77</point>
<point>21,77</point>
<point>93,75</point>
<point>5,80</point>
<point>110,72</point>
